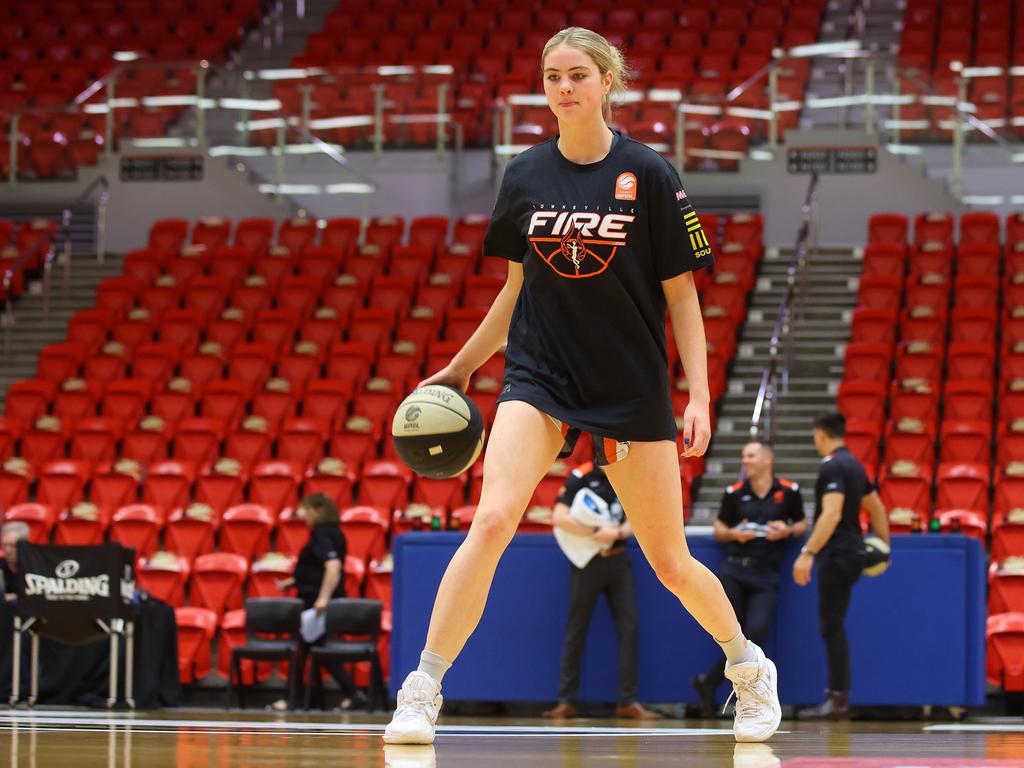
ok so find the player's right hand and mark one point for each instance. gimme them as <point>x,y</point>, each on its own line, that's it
<point>449,377</point>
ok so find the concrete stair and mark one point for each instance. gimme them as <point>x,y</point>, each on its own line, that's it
<point>883,21</point>
<point>820,333</point>
<point>41,319</point>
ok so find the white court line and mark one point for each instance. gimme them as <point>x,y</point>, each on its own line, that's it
<point>81,719</point>
<point>975,727</point>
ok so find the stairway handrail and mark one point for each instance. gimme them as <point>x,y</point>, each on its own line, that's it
<point>781,339</point>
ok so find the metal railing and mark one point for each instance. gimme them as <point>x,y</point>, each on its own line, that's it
<point>780,348</point>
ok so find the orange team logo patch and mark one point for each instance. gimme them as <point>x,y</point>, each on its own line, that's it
<point>579,244</point>
<point>625,187</point>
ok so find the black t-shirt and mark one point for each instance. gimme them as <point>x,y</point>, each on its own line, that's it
<point>326,542</point>
<point>841,473</point>
<point>782,502</point>
<point>586,343</point>
<point>594,478</point>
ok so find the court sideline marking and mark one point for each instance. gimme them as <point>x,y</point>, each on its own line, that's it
<point>207,726</point>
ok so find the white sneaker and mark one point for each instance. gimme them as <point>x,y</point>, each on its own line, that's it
<point>756,687</point>
<point>419,702</point>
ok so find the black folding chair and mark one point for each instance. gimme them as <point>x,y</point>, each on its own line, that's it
<point>347,618</point>
<point>279,616</point>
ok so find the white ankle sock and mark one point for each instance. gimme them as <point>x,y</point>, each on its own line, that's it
<point>433,665</point>
<point>738,650</point>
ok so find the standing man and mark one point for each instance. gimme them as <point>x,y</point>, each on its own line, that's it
<point>609,572</point>
<point>836,543</point>
<point>756,518</point>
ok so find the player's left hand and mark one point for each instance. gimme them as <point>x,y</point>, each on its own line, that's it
<point>777,530</point>
<point>696,429</point>
<point>802,570</point>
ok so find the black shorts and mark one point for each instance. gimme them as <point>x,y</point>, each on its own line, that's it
<point>607,450</point>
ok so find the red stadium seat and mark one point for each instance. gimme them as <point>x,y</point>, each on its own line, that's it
<point>1004,659</point>
<point>962,486</point>
<point>862,400</point>
<point>137,526</point>
<point>168,485</point>
<point>910,440</point>
<point>968,360</point>
<point>973,325</point>
<point>267,571</point>
<point>979,227</point>
<point>876,326</point>
<point>908,491</point>
<point>275,485</point>
<point>888,228</point>
<point>965,521</point>
<point>933,227</point>
<point>168,236</point>
<point>62,483</point>
<point>196,628</point>
<point>365,529</point>
<point>245,530</point>
<point>885,260</point>
<point>878,292</point>
<point>296,234</point>
<point>255,235</point>
<point>385,484</point>
<point>164,578</point>
<point>212,232</point>
<point>867,362</point>
<point>217,580</point>
<point>968,400</point>
<point>966,441</point>
<point>336,483</point>
<point>220,488</point>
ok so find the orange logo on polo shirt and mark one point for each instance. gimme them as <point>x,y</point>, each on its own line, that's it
<point>625,186</point>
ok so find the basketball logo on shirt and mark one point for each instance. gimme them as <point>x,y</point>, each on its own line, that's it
<point>625,186</point>
<point>580,243</point>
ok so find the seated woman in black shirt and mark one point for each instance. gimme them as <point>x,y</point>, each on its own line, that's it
<point>319,575</point>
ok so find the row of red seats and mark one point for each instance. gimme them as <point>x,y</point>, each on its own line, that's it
<point>246,530</point>
<point>944,228</point>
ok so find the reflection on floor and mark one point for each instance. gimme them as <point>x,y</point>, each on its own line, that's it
<point>217,739</point>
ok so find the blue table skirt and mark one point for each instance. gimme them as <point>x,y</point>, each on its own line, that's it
<point>917,633</point>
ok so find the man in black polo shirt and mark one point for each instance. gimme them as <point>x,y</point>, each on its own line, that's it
<point>837,544</point>
<point>756,517</point>
<point>609,572</point>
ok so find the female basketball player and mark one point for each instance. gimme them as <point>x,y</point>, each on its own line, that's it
<point>600,240</point>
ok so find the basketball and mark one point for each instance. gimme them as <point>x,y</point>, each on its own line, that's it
<point>876,556</point>
<point>438,431</point>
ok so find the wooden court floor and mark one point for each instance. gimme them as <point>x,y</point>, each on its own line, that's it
<point>195,738</point>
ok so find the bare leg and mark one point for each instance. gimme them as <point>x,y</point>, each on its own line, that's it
<point>648,486</point>
<point>523,444</point>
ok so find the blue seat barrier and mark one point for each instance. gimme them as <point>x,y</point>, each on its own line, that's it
<point>917,633</point>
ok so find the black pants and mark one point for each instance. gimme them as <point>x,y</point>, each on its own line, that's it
<point>614,577</point>
<point>838,571</point>
<point>754,594</point>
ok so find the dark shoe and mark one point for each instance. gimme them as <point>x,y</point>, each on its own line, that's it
<point>706,693</point>
<point>564,711</point>
<point>835,707</point>
<point>636,711</point>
